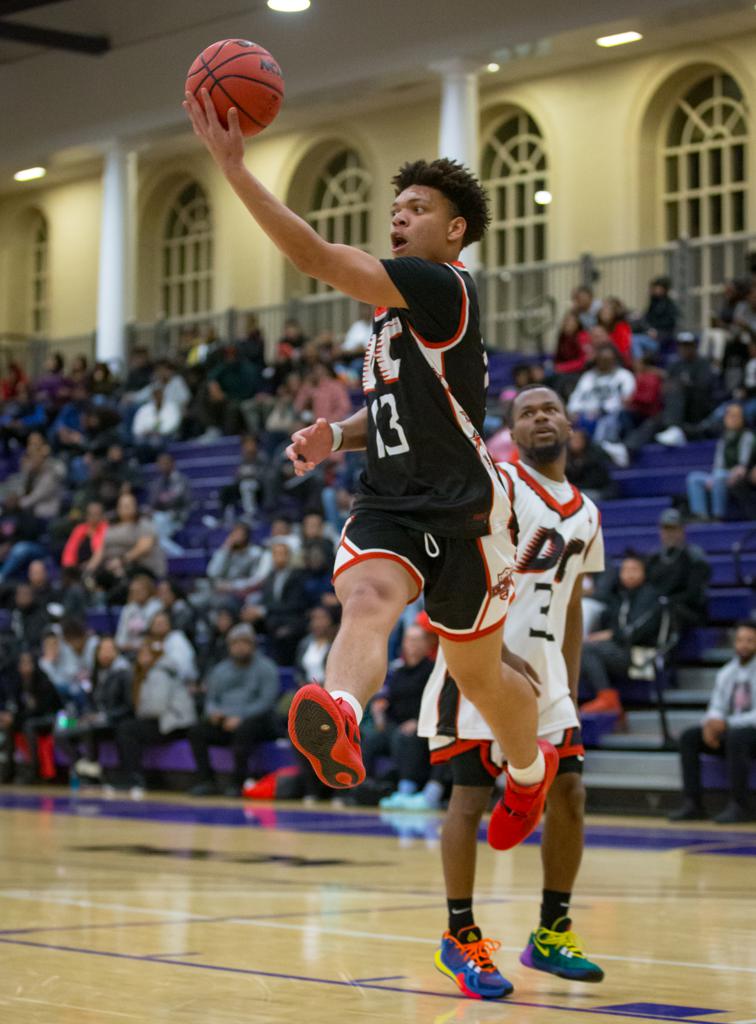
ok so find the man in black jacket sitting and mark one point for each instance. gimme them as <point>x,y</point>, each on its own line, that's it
<point>632,618</point>
<point>679,571</point>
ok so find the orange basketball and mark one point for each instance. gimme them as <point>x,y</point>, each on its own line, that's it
<point>241,74</point>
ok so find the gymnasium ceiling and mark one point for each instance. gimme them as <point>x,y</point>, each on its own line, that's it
<point>59,105</point>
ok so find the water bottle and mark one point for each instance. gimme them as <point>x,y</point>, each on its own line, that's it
<point>74,781</point>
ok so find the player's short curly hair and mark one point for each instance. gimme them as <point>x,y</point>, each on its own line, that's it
<point>453,180</point>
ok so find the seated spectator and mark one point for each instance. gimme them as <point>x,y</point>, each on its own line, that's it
<point>573,347</point>
<point>221,620</point>
<point>734,292</point>
<point>689,391</point>
<point>322,396</point>
<point>156,423</point>
<point>238,567</point>
<point>108,478</point>
<point>585,306</point>
<point>29,618</point>
<point>312,651</point>
<point>395,712</point>
<point>232,382</point>
<point>31,498</point>
<point>241,695</point>
<point>139,376</point>
<point>110,703</point>
<point>176,646</point>
<point>679,571</point>
<point>659,323</point>
<point>136,616</point>
<point>248,489</point>
<point>632,619</point>
<point>30,713</point>
<point>644,414</point>
<point>588,467</point>
<point>317,534</point>
<point>749,385</point>
<point>52,387</point>
<point>164,711</point>
<point>274,415</point>
<point>86,539</point>
<point>279,610</point>
<point>744,314</point>
<point>174,602</point>
<point>708,493</point>
<point>356,340</point>
<point>67,433</point>
<point>38,577</point>
<point>251,347</point>
<point>131,546</point>
<point>20,416</point>
<point>318,575</point>
<point>729,731</point>
<point>613,318</point>
<point>600,396</point>
<point>102,382</point>
<point>13,382</point>
<point>169,499</point>
<point>68,660</point>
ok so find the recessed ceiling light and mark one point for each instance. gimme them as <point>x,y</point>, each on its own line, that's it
<point>288,6</point>
<point>619,39</point>
<point>30,174</point>
<point>542,197</point>
<point>493,67</point>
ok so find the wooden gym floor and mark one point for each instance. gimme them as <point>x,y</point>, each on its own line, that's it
<point>214,913</point>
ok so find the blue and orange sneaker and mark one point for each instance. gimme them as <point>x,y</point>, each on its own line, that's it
<point>326,732</point>
<point>557,951</point>
<point>469,965</point>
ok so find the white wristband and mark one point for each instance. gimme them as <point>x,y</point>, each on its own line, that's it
<point>338,437</point>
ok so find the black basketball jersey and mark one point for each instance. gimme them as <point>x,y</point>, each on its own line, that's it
<point>425,376</point>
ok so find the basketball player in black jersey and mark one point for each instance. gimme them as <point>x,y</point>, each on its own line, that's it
<point>432,512</point>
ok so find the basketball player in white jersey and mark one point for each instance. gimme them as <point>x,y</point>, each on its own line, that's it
<point>557,532</point>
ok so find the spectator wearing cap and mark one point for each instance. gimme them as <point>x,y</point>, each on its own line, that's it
<point>280,608</point>
<point>708,493</point>
<point>728,730</point>
<point>239,710</point>
<point>679,571</point>
<point>689,391</point>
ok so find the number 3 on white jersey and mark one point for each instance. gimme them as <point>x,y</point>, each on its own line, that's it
<point>393,424</point>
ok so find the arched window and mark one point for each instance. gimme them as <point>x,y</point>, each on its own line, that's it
<point>340,205</point>
<point>38,276</point>
<point>187,277</point>
<point>706,161</point>
<point>514,168</point>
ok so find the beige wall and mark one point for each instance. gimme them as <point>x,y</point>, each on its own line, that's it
<point>601,126</point>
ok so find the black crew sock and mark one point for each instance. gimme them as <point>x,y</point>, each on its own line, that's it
<point>460,915</point>
<point>553,906</point>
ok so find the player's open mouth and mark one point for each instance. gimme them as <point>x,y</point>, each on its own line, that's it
<point>398,242</point>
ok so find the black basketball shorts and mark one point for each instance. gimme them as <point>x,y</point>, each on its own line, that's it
<point>467,583</point>
<point>474,762</point>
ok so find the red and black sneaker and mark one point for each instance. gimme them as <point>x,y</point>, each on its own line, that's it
<point>326,732</point>
<point>518,812</point>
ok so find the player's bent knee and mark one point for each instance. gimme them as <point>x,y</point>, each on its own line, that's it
<point>569,796</point>
<point>371,600</point>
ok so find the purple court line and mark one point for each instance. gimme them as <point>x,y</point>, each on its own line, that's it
<point>161,956</point>
<point>339,984</point>
<point>366,981</point>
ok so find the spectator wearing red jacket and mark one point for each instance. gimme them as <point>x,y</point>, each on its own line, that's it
<point>612,318</point>
<point>86,539</point>
<point>574,346</point>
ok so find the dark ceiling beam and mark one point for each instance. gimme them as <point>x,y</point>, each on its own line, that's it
<point>53,39</point>
<point>16,6</point>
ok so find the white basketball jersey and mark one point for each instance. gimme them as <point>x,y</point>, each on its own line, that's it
<point>558,537</point>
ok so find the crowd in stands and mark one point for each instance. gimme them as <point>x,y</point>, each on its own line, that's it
<point>93,506</point>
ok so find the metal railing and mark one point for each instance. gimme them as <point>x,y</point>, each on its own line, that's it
<point>520,306</point>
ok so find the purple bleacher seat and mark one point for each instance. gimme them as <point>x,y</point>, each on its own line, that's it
<point>595,725</point>
<point>712,537</point>
<point>729,604</point>
<point>177,757</point>
<point>696,455</point>
<point>633,511</point>
<point>191,563</point>
<point>103,621</point>
<point>650,483</point>
<point>5,618</point>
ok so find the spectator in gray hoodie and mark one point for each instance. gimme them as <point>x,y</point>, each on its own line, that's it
<point>238,567</point>
<point>239,710</point>
<point>729,730</point>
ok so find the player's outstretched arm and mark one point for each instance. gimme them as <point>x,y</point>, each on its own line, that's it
<point>351,271</point>
<point>311,445</point>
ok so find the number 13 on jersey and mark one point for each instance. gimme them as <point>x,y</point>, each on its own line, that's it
<point>388,431</point>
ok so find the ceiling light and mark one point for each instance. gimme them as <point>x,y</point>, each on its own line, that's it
<point>493,67</point>
<point>30,174</point>
<point>542,197</point>
<point>288,6</point>
<point>619,39</point>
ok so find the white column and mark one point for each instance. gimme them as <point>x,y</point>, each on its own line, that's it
<point>458,124</point>
<point>115,264</point>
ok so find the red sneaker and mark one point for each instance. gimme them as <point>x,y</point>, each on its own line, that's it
<point>518,812</point>
<point>607,702</point>
<point>326,732</point>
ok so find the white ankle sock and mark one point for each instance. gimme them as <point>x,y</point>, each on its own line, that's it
<point>352,701</point>
<point>531,775</point>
